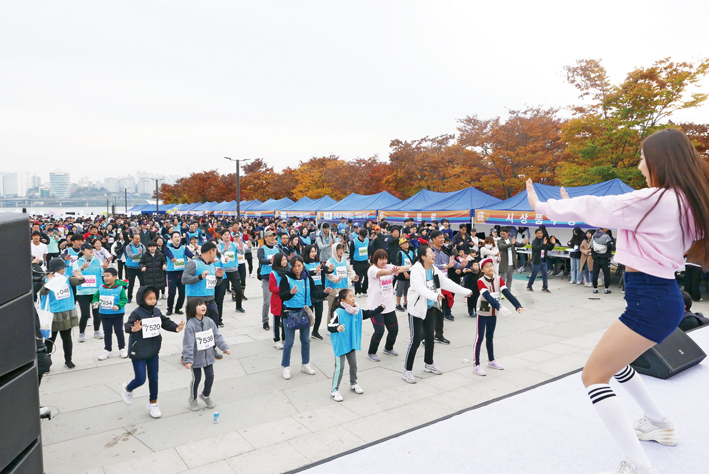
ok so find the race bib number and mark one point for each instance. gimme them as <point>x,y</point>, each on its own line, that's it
<point>62,293</point>
<point>179,263</point>
<point>386,284</point>
<point>105,302</point>
<point>211,282</point>
<point>431,285</point>
<point>151,327</point>
<point>72,260</point>
<point>317,279</point>
<point>341,272</point>
<point>205,339</point>
<point>228,257</point>
<point>544,253</point>
<point>241,258</point>
<point>135,259</point>
<point>496,295</point>
<point>407,262</point>
<point>89,281</point>
<point>363,251</point>
<point>576,248</point>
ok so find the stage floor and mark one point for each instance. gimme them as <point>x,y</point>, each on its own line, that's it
<point>551,428</point>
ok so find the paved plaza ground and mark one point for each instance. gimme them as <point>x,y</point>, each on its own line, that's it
<point>271,425</point>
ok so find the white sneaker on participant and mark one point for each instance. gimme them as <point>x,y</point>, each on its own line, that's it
<point>306,369</point>
<point>278,345</point>
<point>98,335</point>
<point>124,353</point>
<point>627,467</point>
<point>357,389</point>
<point>286,373</point>
<point>336,395</point>
<point>82,337</point>
<point>154,410</point>
<point>493,364</point>
<point>663,432</point>
<point>477,370</point>
<point>408,377</point>
<point>104,355</point>
<point>431,368</point>
<point>127,396</point>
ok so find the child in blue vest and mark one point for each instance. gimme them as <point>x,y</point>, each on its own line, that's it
<point>345,328</point>
<point>110,300</point>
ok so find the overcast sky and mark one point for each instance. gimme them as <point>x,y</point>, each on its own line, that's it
<point>174,86</point>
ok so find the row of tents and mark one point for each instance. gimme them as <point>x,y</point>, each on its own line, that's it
<point>465,206</point>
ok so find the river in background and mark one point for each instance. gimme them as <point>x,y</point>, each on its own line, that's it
<point>61,211</point>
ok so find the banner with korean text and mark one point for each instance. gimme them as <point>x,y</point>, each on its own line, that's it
<point>520,218</point>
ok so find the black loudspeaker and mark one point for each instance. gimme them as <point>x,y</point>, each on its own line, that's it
<point>20,442</point>
<point>677,353</point>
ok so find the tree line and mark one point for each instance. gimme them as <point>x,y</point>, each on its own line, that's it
<point>593,141</point>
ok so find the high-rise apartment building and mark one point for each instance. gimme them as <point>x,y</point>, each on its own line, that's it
<point>59,185</point>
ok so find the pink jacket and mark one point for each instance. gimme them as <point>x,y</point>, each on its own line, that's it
<point>657,248</point>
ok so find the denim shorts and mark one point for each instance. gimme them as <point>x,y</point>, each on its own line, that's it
<point>655,305</point>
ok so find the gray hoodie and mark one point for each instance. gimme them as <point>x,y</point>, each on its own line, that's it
<point>190,354</point>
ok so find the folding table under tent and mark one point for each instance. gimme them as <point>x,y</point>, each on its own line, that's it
<point>269,208</point>
<point>456,206</point>
<point>306,208</point>
<point>517,212</point>
<point>358,207</point>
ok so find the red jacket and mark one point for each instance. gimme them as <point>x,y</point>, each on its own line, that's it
<point>276,303</point>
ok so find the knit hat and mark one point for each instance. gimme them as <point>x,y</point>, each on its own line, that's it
<point>487,260</point>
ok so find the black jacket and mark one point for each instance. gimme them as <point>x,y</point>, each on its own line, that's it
<point>153,275</point>
<point>139,348</point>
<point>537,246</point>
<point>576,241</point>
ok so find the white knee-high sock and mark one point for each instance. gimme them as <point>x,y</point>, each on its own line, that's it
<point>635,386</point>
<point>616,419</point>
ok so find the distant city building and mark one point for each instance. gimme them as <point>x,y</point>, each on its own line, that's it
<point>59,185</point>
<point>11,185</point>
<point>84,182</point>
<point>112,185</point>
<point>128,183</point>
<point>146,186</point>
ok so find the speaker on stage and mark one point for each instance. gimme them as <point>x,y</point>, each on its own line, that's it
<point>20,445</point>
<point>677,353</point>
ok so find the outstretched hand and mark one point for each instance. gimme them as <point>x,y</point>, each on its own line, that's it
<point>531,194</point>
<point>564,194</point>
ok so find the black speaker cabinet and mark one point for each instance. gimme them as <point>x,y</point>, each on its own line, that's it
<point>20,442</point>
<point>676,353</point>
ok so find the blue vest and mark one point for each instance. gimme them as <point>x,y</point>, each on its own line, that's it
<point>351,337</point>
<point>344,283</point>
<point>200,288</point>
<point>61,301</point>
<point>302,297</point>
<point>74,256</point>
<point>197,234</point>
<point>267,253</point>
<point>129,261</point>
<point>305,240</point>
<point>93,276</point>
<point>277,276</point>
<point>317,277</point>
<point>179,254</point>
<point>361,250</point>
<point>114,293</point>
<point>230,255</point>
<point>406,255</point>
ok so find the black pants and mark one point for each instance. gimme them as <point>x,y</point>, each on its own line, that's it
<point>43,364</point>
<point>692,279</point>
<point>219,293</point>
<point>438,323</point>
<point>360,269</point>
<point>485,329</point>
<point>87,312</point>
<point>250,261</point>
<point>66,343</point>
<point>131,273</point>
<point>111,325</point>
<point>234,278</point>
<point>471,283</point>
<point>197,378</point>
<point>317,309</point>
<point>605,265</point>
<point>416,327</point>
<point>242,276</point>
<point>121,267</point>
<point>388,321</point>
<point>175,286</point>
<point>279,334</point>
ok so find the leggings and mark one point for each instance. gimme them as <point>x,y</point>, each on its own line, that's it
<point>488,322</point>
<point>197,378</point>
<point>418,326</point>
<point>389,321</point>
<point>250,261</point>
<point>66,343</point>
<point>140,366</point>
<point>278,328</point>
<point>317,307</point>
<point>110,325</point>
<point>351,357</point>
<point>87,312</point>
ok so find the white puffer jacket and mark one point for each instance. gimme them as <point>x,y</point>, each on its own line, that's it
<point>419,294</point>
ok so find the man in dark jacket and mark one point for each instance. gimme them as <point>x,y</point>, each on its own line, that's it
<point>153,265</point>
<point>602,246</point>
<point>146,235</point>
<point>540,246</point>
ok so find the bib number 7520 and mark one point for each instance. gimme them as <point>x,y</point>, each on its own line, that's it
<point>151,327</point>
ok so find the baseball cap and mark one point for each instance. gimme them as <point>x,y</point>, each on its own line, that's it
<point>376,227</point>
<point>87,247</point>
<point>403,240</point>
<point>268,232</point>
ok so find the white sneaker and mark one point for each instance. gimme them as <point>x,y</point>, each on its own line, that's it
<point>572,282</point>
<point>663,432</point>
<point>408,377</point>
<point>358,295</point>
<point>336,395</point>
<point>127,396</point>
<point>431,368</point>
<point>104,355</point>
<point>154,410</point>
<point>82,337</point>
<point>306,369</point>
<point>124,353</point>
<point>477,370</point>
<point>98,335</point>
<point>286,373</point>
<point>579,283</point>
<point>278,345</point>
<point>357,389</point>
<point>493,364</point>
<point>626,467</point>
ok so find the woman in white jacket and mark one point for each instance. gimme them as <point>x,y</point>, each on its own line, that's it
<point>424,299</point>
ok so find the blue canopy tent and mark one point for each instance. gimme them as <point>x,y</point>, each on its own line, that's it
<point>358,207</point>
<point>306,208</point>
<point>268,208</point>
<point>516,210</point>
<point>456,206</point>
<point>189,208</point>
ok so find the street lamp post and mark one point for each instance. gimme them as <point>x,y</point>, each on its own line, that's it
<point>157,205</point>
<point>238,185</point>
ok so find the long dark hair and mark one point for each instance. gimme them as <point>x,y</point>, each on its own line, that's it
<point>341,295</point>
<point>673,163</point>
<point>306,254</point>
<point>421,252</point>
<point>191,308</point>
<point>277,259</point>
